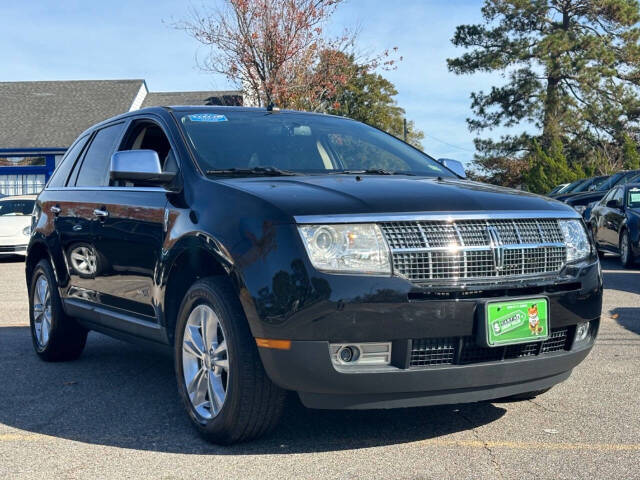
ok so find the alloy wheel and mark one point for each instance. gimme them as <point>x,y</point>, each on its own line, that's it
<point>83,260</point>
<point>205,361</point>
<point>624,248</point>
<point>42,310</point>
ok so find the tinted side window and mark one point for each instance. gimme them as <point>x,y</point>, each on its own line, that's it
<point>59,178</point>
<point>607,197</point>
<point>619,195</point>
<point>94,169</point>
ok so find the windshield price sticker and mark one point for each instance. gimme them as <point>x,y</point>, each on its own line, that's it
<point>207,117</point>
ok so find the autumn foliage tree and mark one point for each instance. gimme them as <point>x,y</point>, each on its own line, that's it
<point>277,52</point>
<point>272,48</point>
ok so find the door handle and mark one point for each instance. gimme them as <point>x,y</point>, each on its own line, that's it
<point>100,213</point>
<point>55,210</point>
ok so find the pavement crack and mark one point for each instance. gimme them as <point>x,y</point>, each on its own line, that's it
<point>485,445</point>
<point>546,409</point>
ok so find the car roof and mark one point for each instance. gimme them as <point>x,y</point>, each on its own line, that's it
<point>201,108</point>
<point>18,197</point>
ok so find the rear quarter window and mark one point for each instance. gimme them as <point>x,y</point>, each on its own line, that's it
<point>61,174</point>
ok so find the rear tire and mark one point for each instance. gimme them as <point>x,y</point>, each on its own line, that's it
<point>626,252</point>
<point>226,391</point>
<point>56,337</point>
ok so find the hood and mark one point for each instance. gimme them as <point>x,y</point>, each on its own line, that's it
<point>585,198</point>
<point>369,194</point>
<point>12,225</point>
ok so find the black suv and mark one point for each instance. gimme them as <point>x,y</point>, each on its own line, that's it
<point>284,251</point>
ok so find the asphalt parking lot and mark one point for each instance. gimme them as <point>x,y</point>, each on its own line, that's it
<point>115,413</point>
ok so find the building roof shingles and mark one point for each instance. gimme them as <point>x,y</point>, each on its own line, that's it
<point>230,98</point>
<point>52,114</point>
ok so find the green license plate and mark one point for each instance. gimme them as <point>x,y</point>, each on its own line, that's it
<point>517,321</point>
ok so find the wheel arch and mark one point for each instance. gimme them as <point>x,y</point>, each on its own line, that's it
<point>38,250</point>
<point>193,257</point>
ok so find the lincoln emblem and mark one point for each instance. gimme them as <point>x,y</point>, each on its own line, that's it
<point>496,248</point>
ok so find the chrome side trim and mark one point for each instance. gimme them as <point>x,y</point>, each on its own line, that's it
<point>446,216</point>
<point>107,189</point>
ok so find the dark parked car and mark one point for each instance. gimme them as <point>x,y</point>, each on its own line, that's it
<point>603,187</point>
<point>584,202</point>
<point>590,184</point>
<point>277,251</point>
<point>615,221</point>
<point>558,189</point>
<point>567,190</point>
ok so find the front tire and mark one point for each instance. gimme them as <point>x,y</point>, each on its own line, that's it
<point>626,253</point>
<point>56,337</point>
<point>221,380</point>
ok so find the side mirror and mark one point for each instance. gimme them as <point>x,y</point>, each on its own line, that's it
<point>454,165</point>
<point>140,167</point>
<point>613,204</point>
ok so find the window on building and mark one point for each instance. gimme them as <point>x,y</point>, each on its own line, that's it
<point>95,166</point>
<point>21,184</point>
<point>21,161</point>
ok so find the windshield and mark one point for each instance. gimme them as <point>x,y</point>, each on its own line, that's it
<point>258,142</point>
<point>611,181</point>
<point>584,185</point>
<point>573,185</point>
<point>16,207</point>
<point>626,177</point>
<point>597,182</point>
<point>633,198</point>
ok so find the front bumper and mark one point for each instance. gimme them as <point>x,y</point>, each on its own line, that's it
<point>307,369</point>
<point>13,250</point>
<point>421,317</point>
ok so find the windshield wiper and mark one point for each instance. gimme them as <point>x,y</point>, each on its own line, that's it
<point>370,171</point>
<point>268,171</point>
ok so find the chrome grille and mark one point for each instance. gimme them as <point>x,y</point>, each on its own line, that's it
<point>475,250</point>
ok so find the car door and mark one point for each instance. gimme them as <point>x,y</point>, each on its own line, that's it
<point>79,212</point>
<point>617,217</point>
<point>597,218</point>
<point>613,218</point>
<point>130,232</point>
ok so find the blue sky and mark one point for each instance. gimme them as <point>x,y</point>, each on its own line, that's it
<point>72,39</point>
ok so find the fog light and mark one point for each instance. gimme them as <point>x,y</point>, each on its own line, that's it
<point>582,331</point>
<point>360,354</point>
<point>348,354</point>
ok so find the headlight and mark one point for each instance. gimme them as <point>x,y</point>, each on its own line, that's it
<point>26,231</point>
<point>359,248</point>
<point>575,238</point>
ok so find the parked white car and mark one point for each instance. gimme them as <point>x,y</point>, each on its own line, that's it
<point>15,224</point>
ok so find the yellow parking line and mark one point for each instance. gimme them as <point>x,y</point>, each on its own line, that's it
<point>533,445</point>
<point>14,437</point>
<point>604,447</point>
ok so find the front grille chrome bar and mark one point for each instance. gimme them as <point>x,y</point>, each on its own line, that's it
<point>475,250</point>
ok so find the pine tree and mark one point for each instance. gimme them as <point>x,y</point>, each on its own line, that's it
<point>572,70</point>
<point>630,155</point>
